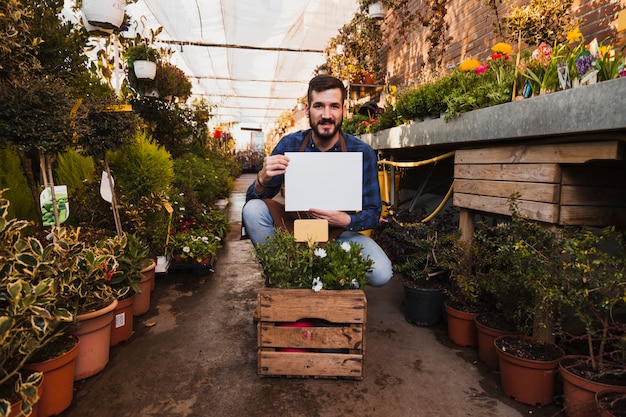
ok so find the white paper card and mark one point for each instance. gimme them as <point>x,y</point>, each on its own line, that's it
<point>324,180</point>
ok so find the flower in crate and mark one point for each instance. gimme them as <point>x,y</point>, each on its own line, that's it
<point>332,266</point>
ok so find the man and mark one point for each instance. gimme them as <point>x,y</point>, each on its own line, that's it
<point>325,109</point>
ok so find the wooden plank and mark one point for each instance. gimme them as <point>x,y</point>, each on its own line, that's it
<point>572,195</point>
<point>562,153</point>
<point>544,212</point>
<point>338,306</point>
<point>549,173</point>
<point>593,216</point>
<point>342,337</point>
<point>303,364</point>
<point>539,192</point>
<point>606,175</point>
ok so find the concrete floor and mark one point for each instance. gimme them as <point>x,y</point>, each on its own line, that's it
<point>194,354</point>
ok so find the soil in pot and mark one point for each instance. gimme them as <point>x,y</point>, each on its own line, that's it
<point>491,326</point>
<point>611,403</point>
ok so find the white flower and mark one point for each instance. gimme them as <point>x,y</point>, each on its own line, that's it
<point>205,239</point>
<point>186,249</point>
<point>317,284</point>
<point>219,239</point>
<point>345,246</point>
<point>355,283</point>
<point>320,252</point>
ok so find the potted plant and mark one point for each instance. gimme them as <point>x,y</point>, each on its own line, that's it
<point>107,14</point>
<point>528,363</point>
<point>416,246</point>
<point>29,316</point>
<point>595,271</point>
<point>129,285</point>
<point>463,294</point>
<point>171,82</point>
<point>142,61</point>
<point>195,246</point>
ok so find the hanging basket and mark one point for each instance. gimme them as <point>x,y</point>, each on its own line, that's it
<point>376,11</point>
<point>95,30</point>
<point>144,70</point>
<point>107,14</point>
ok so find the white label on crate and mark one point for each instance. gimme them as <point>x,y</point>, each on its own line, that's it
<point>120,320</point>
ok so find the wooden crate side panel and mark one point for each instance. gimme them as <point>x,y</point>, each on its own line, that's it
<point>593,216</point>
<point>563,153</point>
<point>323,365</point>
<point>287,305</point>
<point>539,192</point>
<point>548,173</point>
<point>544,212</point>
<point>343,337</point>
<point>572,195</point>
<point>612,175</point>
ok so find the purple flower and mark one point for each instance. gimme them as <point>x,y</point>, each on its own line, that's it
<point>584,64</point>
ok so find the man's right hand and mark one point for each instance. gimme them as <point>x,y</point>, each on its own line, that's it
<point>274,165</point>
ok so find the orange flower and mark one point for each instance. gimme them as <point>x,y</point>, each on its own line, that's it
<point>469,64</point>
<point>503,48</point>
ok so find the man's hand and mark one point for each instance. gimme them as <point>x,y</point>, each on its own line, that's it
<point>274,165</point>
<point>334,218</point>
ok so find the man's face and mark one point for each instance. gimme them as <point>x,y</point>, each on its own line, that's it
<point>326,113</point>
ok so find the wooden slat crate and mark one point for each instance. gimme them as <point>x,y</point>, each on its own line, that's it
<point>560,183</point>
<point>332,346</point>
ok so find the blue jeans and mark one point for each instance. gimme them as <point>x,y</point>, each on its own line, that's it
<point>259,225</point>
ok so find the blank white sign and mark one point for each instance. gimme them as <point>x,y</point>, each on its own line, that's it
<point>324,180</point>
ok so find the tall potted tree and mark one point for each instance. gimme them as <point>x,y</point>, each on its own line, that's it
<point>595,289</point>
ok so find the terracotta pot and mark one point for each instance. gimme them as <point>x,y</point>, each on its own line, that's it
<point>57,390</point>
<point>461,327</point>
<point>142,300</point>
<point>611,403</point>
<point>579,394</point>
<point>34,411</point>
<point>122,326</point>
<point>486,336</point>
<point>94,333</point>
<point>423,306</point>
<point>107,14</point>
<point>526,380</point>
<point>150,271</point>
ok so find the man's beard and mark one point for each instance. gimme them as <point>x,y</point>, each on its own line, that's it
<point>321,132</point>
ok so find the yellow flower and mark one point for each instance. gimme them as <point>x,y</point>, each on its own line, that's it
<point>574,36</point>
<point>502,48</point>
<point>469,64</point>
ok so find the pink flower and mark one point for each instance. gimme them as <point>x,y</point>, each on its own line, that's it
<point>481,69</point>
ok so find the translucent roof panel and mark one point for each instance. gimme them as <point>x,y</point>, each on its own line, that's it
<point>250,58</point>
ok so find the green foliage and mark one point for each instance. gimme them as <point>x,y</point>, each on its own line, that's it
<point>35,114</point>
<point>12,177</point>
<point>74,169</point>
<point>142,52</point>
<point>141,169</point>
<point>290,264</point>
<point>18,47</point>
<point>195,245</point>
<point>30,309</point>
<point>540,21</point>
<point>106,129</point>
<point>350,125</point>
<point>132,257</point>
<point>206,178</point>
<point>596,286</point>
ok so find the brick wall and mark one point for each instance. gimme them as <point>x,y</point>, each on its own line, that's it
<point>471,33</point>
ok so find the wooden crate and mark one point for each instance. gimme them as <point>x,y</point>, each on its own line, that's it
<point>333,345</point>
<point>560,183</point>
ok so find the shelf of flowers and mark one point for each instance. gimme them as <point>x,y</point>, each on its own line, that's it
<point>312,311</point>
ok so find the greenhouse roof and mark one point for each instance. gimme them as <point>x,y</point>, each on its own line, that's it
<point>252,59</point>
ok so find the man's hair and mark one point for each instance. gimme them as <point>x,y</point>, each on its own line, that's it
<point>325,82</point>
